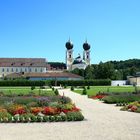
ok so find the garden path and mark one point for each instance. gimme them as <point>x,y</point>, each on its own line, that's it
<point>102,122</point>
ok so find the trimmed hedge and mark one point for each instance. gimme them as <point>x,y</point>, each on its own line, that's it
<point>21,83</point>
<point>29,118</point>
<point>53,83</point>
<point>105,82</point>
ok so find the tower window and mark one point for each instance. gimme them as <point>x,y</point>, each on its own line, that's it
<point>70,56</point>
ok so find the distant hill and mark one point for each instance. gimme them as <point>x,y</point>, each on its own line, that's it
<point>126,64</point>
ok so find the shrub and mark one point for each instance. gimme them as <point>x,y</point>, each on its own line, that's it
<point>45,118</point>
<point>75,116</point>
<point>32,87</point>
<point>121,98</point>
<point>51,118</point>
<point>72,88</point>
<point>5,116</point>
<point>21,83</point>
<point>84,92</point>
<point>88,87</point>
<point>56,92</point>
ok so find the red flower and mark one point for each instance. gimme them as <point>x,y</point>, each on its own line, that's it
<point>50,111</point>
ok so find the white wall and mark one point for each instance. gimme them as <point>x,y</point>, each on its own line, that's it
<point>118,83</point>
<point>9,70</point>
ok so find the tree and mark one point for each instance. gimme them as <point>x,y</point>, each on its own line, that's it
<point>89,72</point>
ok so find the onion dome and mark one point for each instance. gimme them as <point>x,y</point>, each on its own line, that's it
<point>69,45</point>
<point>86,46</point>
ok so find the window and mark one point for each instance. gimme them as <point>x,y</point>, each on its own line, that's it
<point>16,70</point>
<point>30,70</point>
<point>7,70</point>
<point>70,56</point>
<point>35,70</point>
<point>3,70</point>
<point>25,70</point>
<point>21,70</point>
<point>41,70</point>
<point>12,70</point>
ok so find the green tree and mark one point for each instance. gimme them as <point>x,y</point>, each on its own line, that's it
<point>89,72</point>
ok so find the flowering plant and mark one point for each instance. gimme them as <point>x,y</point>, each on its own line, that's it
<point>2,109</point>
<point>50,111</point>
<point>16,109</point>
<point>36,110</point>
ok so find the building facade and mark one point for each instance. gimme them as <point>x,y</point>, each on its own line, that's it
<point>22,65</point>
<point>78,62</point>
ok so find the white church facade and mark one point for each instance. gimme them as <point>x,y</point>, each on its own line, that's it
<point>78,62</point>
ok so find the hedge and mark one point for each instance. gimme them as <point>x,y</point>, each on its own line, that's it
<point>105,82</point>
<point>57,83</point>
<point>21,83</point>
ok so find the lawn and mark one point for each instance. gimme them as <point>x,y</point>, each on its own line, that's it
<point>25,90</point>
<point>95,89</point>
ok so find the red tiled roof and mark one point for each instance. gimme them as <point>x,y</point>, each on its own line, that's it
<point>23,62</point>
<point>45,75</point>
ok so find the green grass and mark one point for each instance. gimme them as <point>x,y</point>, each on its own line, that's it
<point>95,89</point>
<point>25,90</point>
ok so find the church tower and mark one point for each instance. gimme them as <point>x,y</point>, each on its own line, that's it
<point>86,53</point>
<point>69,55</point>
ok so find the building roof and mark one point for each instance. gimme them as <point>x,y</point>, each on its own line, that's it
<point>22,62</point>
<point>44,75</point>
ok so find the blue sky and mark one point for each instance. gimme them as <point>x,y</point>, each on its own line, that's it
<point>40,28</point>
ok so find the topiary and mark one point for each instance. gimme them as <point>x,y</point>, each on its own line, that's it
<point>88,87</point>
<point>56,92</point>
<point>72,88</point>
<point>45,119</point>
<point>84,92</point>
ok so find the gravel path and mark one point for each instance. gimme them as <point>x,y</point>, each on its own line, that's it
<point>103,122</point>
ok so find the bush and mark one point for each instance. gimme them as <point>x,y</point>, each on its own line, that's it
<point>21,83</point>
<point>88,87</point>
<point>84,92</point>
<point>121,98</point>
<point>75,116</point>
<point>56,92</point>
<point>82,82</point>
<point>72,88</point>
<point>32,87</point>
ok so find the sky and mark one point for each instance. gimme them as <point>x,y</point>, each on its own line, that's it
<point>40,28</point>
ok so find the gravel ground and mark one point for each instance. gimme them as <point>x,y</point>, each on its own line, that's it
<point>102,122</point>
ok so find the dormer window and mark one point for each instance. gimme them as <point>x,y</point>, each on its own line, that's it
<point>22,64</point>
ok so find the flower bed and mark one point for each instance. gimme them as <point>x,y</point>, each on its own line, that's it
<point>38,109</point>
<point>133,107</point>
<point>99,96</point>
